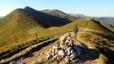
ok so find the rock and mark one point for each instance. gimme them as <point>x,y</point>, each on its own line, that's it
<point>63,38</point>
<point>62,46</point>
<point>55,47</point>
<point>67,59</point>
<point>73,55</point>
<point>12,62</point>
<point>54,57</point>
<point>67,53</point>
<point>65,50</point>
<point>49,56</point>
<point>69,48</point>
<point>61,53</point>
<point>71,51</point>
<point>52,50</point>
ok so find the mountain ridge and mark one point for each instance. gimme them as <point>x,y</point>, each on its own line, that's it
<point>59,13</point>
<point>109,20</point>
<point>23,23</point>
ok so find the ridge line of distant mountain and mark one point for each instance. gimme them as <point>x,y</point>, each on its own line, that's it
<point>107,19</point>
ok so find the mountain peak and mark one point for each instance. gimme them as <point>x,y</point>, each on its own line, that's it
<point>89,18</point>
<point>27,7</point>
<point>58,13</point>
<point>53,11</point>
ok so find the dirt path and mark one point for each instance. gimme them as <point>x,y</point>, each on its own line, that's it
<point>36,56</point>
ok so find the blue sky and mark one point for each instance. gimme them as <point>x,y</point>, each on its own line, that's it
<point>87,7</point>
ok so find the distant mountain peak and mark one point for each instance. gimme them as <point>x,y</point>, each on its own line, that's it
<point>59,13</point>
<point>53,11</point>
<point>90,18</point>
<point>27,7</point>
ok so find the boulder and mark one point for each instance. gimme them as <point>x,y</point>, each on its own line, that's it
<point>67,59</point>
<point>67,53</point>
<point>12,62</point>
<point>69,48</point>
<point>49,56</point>
<point>61,53</point>
<point>73,56</point>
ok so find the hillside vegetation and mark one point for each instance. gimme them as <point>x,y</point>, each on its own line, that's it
<point>21,25</point>
<point>108,26</point>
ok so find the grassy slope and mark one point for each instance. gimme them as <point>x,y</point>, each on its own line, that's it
<point>109,26</point>
<point>20,26</point>
<point>47,20</point>
<point>17,28</point>
<point>59,13</point>
<point>83,23</point>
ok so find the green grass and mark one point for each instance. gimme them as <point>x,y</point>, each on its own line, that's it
<point>27,49</point>
<point>108,26</point>
<point>2,43</point>
<point>15,29</point>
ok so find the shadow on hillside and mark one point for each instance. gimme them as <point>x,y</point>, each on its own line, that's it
<point>87,54</point>
<point>46,20</point>
<point>107,36</point>
<point>108,53</point>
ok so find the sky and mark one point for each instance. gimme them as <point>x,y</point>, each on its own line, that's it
<point>87,7</point>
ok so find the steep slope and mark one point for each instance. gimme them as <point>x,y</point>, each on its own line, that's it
<point>108,26</point>
<point>16,27</point>
<point>47,20</point>
<point>59,13</point>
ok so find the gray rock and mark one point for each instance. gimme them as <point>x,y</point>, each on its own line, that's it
<point>54,57</point>
<point>62,46</point>
<point>12,62</point>
<point>67,59</point>
<point>69,48</point>
<point>73,55</point>
<point>61,53</point>
<point>49,56</point>
<point>55,47</point>
<point>67,53</point>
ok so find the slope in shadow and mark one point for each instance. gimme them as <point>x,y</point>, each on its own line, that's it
<point>109,53</point>
<point>46,20</point>
<point>87,54</point>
